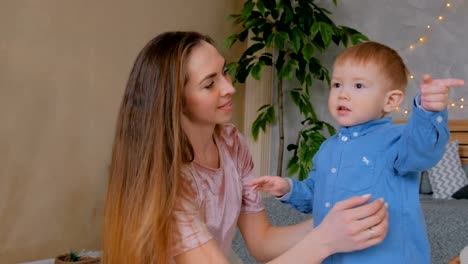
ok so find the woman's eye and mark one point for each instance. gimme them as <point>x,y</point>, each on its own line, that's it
<point>210,85</point>
<point>225,71</point>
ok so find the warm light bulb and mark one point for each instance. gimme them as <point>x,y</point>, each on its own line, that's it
<point>428,26</point>
<point>452,104</point>
<point>440,18</point>
<point>462,99</point>
<point>461,106</point>
<point>411,47</point>
<point>422,39</point>
<point>406,112</point>
<point>411,76</point>
<point>448,5</point>
<point>397,108</point>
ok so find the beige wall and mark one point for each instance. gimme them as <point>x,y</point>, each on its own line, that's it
<point>63,66</point>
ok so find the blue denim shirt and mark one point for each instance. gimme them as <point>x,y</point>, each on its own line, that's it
<point>383,159</point>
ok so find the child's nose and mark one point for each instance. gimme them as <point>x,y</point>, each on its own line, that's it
<point>343,94</point>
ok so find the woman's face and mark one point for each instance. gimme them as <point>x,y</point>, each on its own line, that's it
<point>209,90</point>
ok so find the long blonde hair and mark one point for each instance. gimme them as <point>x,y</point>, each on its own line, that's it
<point>149,151</point>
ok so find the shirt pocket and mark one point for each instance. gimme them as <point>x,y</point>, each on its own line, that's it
<point>358,172</point>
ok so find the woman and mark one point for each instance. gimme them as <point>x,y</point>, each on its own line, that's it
<point>179,173</point>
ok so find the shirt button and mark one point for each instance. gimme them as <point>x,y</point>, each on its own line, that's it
<point>333,170</point>
<point>439,119</point>
<point>344,138</point>
<point>327,204</point>
<point>355,134</point>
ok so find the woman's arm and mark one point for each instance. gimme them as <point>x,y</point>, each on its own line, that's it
<point>208,253</point>
<point>266,241</point>
<point>263,250</point>
<point>344,229</point>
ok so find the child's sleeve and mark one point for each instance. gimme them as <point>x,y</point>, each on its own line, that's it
<point>423,140</point>
<point>301,195</point>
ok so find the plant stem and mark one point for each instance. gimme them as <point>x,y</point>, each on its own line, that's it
<point>279,168</point>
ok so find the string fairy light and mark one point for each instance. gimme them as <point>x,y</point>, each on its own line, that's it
<point>423,37</point>
<point>459,103</point>
<point>421,40</point>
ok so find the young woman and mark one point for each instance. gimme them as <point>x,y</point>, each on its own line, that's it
<point>178,182</point>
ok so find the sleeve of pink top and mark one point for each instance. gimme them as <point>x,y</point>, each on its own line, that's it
<point>252,201</point>
<point>191,230</point>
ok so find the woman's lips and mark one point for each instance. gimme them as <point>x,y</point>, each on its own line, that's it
<point>226,106</point>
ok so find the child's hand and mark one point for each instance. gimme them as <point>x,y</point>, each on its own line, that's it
<point>435,93</point>
<point>273,185</point>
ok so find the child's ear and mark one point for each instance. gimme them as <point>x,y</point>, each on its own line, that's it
<point>393,100</point>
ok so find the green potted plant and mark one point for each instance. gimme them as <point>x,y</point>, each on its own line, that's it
<point>74,257</point>
<point>289,35</point>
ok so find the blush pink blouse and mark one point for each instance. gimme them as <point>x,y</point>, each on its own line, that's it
<point>221,194</point>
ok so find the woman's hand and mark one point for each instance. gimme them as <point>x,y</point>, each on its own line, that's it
<point>351,225</point>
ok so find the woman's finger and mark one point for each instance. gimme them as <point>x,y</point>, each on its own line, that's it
<point>351,202</point>
<point>371,236</point>
<point>367,210</point>
<point>373,220</point>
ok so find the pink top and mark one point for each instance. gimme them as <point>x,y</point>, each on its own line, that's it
<point>222,195</point>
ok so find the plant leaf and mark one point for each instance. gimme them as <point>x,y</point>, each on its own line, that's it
<point>230,41</point>
<point>266,117</point>
<point>247,9</point>
<point>257,70</point>
<point>296,39</point>
<point>308,51</point>
<point>252,49</point>
<point>326,31</point>
<point>231,69</point>
<point>261,7</point>
<point>314,29</point>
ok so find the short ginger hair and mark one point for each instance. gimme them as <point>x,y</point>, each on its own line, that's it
<point>390,63</point>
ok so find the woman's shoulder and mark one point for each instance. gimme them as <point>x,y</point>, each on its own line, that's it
<point>228,129</point>
<point>231,140</point>
<point>230,134</point>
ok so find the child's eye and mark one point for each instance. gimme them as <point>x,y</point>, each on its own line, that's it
<point>336,85</point>
<point>210,85</point>
<point>359,85</point>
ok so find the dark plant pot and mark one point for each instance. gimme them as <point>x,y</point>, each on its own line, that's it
<point>83,260</point>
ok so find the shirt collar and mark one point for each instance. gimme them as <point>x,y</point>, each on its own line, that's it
<point>365,128</point>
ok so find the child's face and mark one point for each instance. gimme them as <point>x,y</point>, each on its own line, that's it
<point>358,93</point>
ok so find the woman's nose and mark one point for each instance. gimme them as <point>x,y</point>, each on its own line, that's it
<point>227,87</point>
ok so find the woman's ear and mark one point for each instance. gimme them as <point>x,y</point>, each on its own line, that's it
<point>393,100</point>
